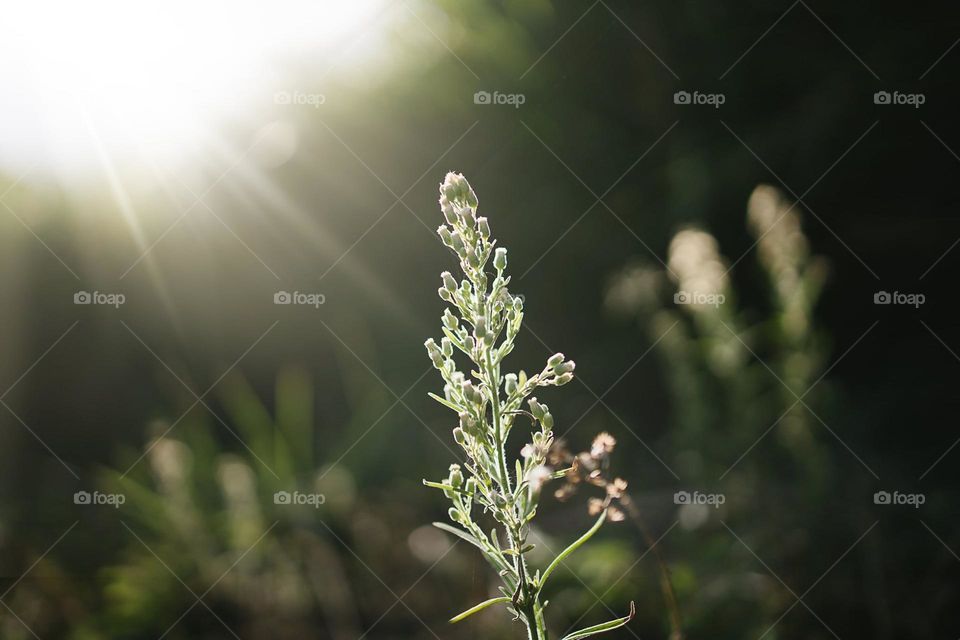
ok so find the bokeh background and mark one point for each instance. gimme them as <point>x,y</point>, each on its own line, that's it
<point>197,161</point>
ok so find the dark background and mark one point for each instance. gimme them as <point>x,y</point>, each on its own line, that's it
<point>878,204</point>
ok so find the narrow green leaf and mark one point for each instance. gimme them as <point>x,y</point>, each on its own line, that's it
<point>463,535</point>
<point>444,487</point>
<point>573,547</point>
<point>603,626</point>
<point>494,539</point>
<point>520,489</point>
<point>444,402</point>
<point>480,607</point>
<point>496,562</point>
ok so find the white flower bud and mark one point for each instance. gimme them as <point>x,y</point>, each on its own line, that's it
<point>483,227</point>
<point>547,420</point>
<point>565,367</point>
<point>480,330</point>
<point>554,360</point>
<point>455,479</point>
<point>469,392</point>
<point>467,215</point>
<point>510,383</point>
<point>455,187</point>
<point>444,295</point>
<point>448,282</point>
<point>450,320</point>
<point>470,196</point>
<point>450,187</point>
<point>535,408</point>
<point>500,259</point>
<point>456,243</point>
<point>434,352</point>
<point>564,379</point>
<point>449,213</point>
<point>472,258</point>
<point>444,234</point>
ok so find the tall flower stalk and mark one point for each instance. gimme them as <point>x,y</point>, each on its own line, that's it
<point>482,323</point>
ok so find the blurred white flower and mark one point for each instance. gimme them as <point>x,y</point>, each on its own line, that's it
<point>696,265</point>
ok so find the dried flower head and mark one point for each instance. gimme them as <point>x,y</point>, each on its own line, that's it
<point>602,445</point>
<point>590,468</point>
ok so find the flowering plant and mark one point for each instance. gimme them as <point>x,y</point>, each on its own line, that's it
<point>483,326</point>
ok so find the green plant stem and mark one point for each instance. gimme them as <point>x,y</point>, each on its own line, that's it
<point>529,607</point>
<point>538,618</point>
<point>535,630</point>
<point>533,618</point>
<point>494,383</point>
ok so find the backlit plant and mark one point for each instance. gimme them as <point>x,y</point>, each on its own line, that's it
<point>482,323</point>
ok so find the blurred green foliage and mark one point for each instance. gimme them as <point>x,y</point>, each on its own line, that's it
<point>736,375</point>
<point>596,102</point>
